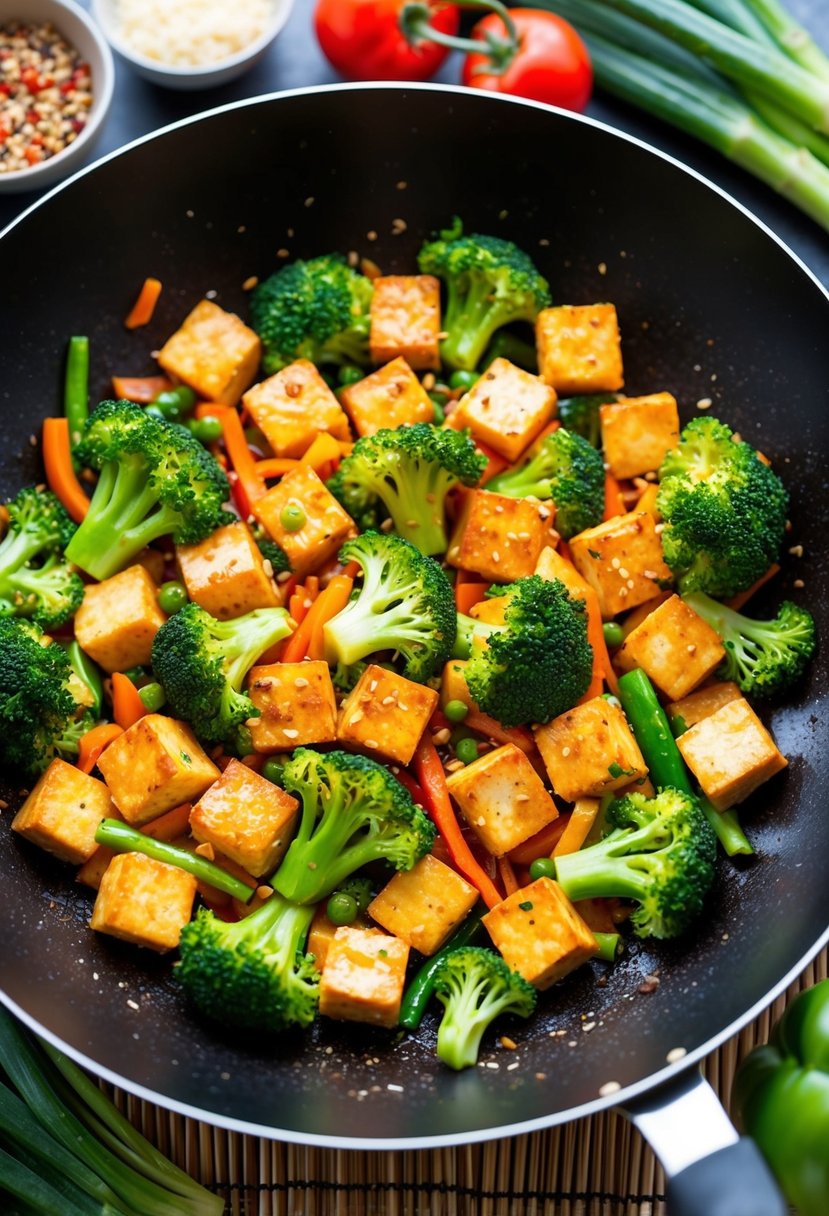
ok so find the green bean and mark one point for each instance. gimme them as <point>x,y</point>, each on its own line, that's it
<point>124,839</point>
<point>416,996</point>
<point>76,387</point>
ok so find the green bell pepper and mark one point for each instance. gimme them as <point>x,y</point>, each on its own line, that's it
<point>781,1093</point>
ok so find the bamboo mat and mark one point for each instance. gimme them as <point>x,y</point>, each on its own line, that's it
<point>592,1167</point>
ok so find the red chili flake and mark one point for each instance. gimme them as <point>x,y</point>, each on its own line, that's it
<point>33,155</point>
<point>32,116</point>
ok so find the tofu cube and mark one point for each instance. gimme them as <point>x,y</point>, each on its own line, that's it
<point>118,619</point>
<point>63,811</point>
<point>674,646</point>
<point>144,901</point>
<point>385,714</point>
<point>502,798</point>
<point>424,905</point>
<point>638,432</point>
<point>506,408</point>
<point>296,705</point>
<point>155,765</point>
<point>365,971</point>
<point>246,817</point>
<point>453,685</point>
<point>326,525</point>
<point>730,753</point>
<point>214,352</point>
<point>225,573</point>
<point>702,704</point>
<point>540,934</point>
<point>498,537</point>
<point>390,397</point>
<point>590,751</point>
<point>622,559</point>
<point>405,320</point>
<point>292,407</point>
<point>322,933</point>
<point>579,348</point>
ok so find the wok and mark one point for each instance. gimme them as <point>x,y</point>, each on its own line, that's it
<point>711,305</point>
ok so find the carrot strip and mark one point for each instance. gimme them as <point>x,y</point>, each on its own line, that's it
<point>127,706</point>
<point>336,593</point>
<point>541,844</point>
<point>94,742</point>
<point>171,824</point>
<point>476,719</point>
<point>613,501</point>
<point>352,569</point>
<point>438,805</point>
<point>142,310</point>
<point>577,830</point>
<point>312,587</point>
<point>57,459</point>
<point>207,409</point>
<point>336,600</point>
<point>275,466</point>
<point>737,601</point>
<point>467,595</point>
<point>496,463</point>
<point>297,607</point>
<point>140,389</point>
<point>240,455</point>
<point>323,450</point>
<point>507,875</point>
<point>580,588</point>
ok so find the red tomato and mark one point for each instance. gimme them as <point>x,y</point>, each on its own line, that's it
<point>552,63</point>
<point>363,40</point>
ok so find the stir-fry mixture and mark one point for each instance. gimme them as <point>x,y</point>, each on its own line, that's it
<point>371,654</point>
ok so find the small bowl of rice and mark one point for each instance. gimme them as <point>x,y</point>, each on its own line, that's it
<point>191,44</point>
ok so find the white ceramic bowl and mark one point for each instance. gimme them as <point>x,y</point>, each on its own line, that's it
<point>202,76</point>
<point>79,30</point>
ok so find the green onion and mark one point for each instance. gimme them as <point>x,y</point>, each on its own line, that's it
<point>76,387</point>
<point>610,946</point>
<point>123,839</point>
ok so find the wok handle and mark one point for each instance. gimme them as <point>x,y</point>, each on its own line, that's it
<point>711,1170</point>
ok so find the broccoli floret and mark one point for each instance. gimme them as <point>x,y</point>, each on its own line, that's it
<point>35,581</point>
<point>567,469</point>
<point>475,986</point>
<point>155,479</point>
<point>581,415</point>
<point>317,310</point>
<point>353,812</point>
<point>39,718</point>
<point>270,550</point>
<point>406,473</point>
<point>724,510</point>
<point>659,851</point>
<point>254,974</point>
<point>489,283</point>
<point>538,663</point>
<point>405,603</point>
<point>201,664</point>
<point>763,658</point>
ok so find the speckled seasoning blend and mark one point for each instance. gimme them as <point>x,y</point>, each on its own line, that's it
<point>45,94</point>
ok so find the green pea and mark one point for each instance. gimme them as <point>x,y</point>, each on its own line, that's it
<point>455,711</point>
<point>273,770</point>
<point>172,597</point>
<point>464,380</point>
<point>152,697</point>
<point>242,743</point>
<point>136,674</point>
<point>614,634</point>
<point>292,517</point>
<point>349,375</point>
<point>341,908</point>
<point>466,750</point>
<point>174,403</point>
<point>154,412</point>
<point>206,430</point>
<point>542,867</point>
<point>439,414</point>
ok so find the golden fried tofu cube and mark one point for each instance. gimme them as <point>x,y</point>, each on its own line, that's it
<point>638,432</point>
<point>155,765</point>
<point>246,817</point>
<point>292,407</point>
<point>540,934</point>
<point>322,933</point>
<point>590,751</point>
<point>214,352</point>
<point>118,619</point>
<point>730,753</point>
<point>579,348</point>
<point>63,811</point>
<point>506,408</point>
<point>498,537</point>
<point>502,798</point>
<point>296,704</point>
<point>703,703</point>
<point>385,714</point>
<point>365,971</point>
<point>675,648</point>
<point>405,320</point>
<point>424,905</point>
<point>453,685</point>
<point>226,575</point>
<point>390,397</point>
<point>144,901</point>
<point>622,559</point>
<point>326,524</point>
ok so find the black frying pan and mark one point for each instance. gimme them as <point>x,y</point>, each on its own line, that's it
<point>711,305</point>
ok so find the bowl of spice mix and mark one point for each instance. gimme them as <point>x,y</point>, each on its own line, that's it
<point>56,81</point>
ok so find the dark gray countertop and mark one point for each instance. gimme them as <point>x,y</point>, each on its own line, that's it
<point>295,61</point>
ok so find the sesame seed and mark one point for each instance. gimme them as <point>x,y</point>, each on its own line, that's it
<point>704,403</point>
<point>250,282</point>
<point>309,202</point>
<point>133,1004</point>
<point>565,751</point>
<point>507,1042</point>
<point>798,582</point>
<point>615,563</point>
<point>291,734</point>
<point>623,593</point>
<point>441,736</point>
<point>609,1087</point>
<point>394,1089</point>
<point>676,1053</point>
<point>372,743</point>
<point>454,765</point>
<point>650,574</point>
<point>522,798</point>
<point>623,573</point>
<point>496,556</point>
<point>264,892</point>
<point>300,682</point>
<point>796,550</point>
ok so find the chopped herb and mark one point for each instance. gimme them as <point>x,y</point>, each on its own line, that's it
<point>526,906</point>
<point>616,770</point>
<point>594,553</point>
<point>185,758</point>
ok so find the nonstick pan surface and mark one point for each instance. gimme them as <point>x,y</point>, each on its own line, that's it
<point>711,305</point>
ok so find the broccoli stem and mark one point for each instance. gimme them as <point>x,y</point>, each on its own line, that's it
<point>478,317</point>
<point>313,867</point>
<point>610,946</point>
<point>123,839</point>
<point>606,869</point>
<point>461,1030</point>
<point>471,632</point>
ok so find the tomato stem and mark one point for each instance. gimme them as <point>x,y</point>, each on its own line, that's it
<point>500,51</point>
